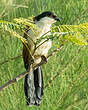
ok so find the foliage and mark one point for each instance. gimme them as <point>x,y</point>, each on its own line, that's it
<point>77,34</point>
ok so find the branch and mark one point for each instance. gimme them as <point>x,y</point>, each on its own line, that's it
<point>32,67</point>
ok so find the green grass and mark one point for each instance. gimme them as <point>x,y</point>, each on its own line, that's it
<point>69,91</point>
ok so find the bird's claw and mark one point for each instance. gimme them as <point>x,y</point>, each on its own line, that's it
<point>44,59</point>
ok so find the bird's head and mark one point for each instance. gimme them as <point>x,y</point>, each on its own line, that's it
<point>47,17</point>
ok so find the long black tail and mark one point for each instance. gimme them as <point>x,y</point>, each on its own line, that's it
<point>33,87</point>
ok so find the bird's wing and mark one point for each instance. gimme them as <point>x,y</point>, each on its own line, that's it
<point>26,54</point>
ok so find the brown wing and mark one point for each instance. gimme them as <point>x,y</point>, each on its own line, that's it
<point>26,55</point>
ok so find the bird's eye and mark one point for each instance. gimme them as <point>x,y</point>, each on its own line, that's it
<point>52,16</point>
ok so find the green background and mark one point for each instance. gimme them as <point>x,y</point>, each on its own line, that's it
<point>69,89</point>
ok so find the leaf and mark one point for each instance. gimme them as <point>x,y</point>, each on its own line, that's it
<point>77,34</point>
<point>76,39</point>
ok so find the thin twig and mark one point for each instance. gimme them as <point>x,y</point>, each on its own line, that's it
<point>66,67</point>
<point>13,58</point>
<point>70,88</point>
<point>22,75</point>
<point>75,20</point>
<point>69,107</point>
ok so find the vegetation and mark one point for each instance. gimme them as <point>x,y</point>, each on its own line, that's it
<point>65,74</point>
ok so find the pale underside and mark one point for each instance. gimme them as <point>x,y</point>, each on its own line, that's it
<point>44,27</point>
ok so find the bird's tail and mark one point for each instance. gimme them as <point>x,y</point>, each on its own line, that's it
<point>33,87</point>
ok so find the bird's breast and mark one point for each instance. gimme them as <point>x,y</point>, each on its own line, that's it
<point>44,48</point>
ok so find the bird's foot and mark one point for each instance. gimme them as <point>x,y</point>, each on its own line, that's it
<point>44,59</point>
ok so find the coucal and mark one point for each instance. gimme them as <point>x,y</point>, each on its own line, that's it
<point>33,83</point>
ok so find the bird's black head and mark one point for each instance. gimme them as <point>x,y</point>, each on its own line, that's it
<point>48,14</point>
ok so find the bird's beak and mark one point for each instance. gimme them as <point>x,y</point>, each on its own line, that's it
<point>57,18</point>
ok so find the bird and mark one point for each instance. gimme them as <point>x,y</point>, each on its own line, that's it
<point>33,82</point>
